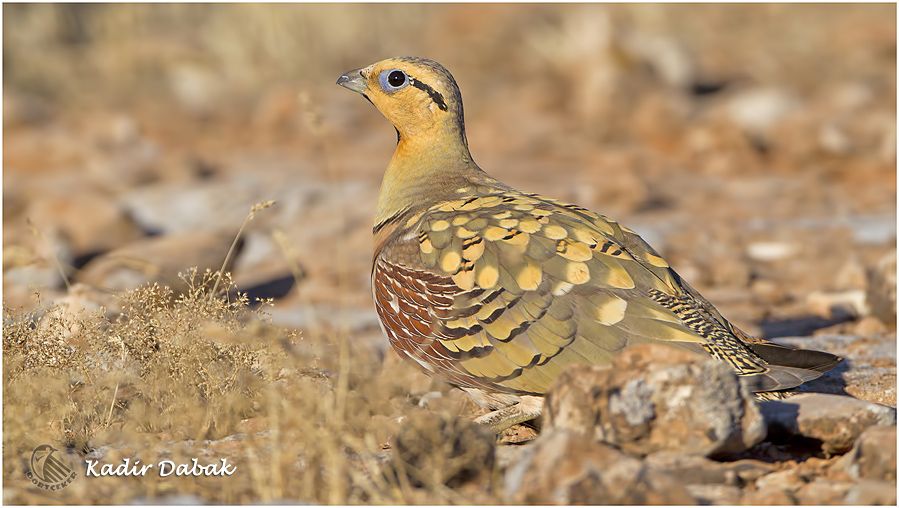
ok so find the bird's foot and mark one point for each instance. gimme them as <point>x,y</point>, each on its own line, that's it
<point>526,410</point>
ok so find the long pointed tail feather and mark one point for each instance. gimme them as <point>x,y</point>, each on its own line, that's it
<point>789,367</point>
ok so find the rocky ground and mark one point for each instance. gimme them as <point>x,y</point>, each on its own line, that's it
<point>758,157</point>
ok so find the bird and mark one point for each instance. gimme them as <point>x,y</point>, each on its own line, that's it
<point>497,290</point>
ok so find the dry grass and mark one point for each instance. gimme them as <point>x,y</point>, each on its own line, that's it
<point>202,373</point>
<point>190,375</point>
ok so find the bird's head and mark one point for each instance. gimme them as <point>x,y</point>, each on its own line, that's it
<point>418,96</point>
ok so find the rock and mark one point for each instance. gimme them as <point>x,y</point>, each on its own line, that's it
<point>833,139</point>
<point>770,251</point>
<point>225,202</point>
<point>875,229</point>
<point>123,158</point>
<point>34,276</point>
<point>264,269</point>
<point>566,467</point>
<point>66,316</point>
<point>671,62</point>
<point>822,491</point>
<point>868,373</point>
<point>170,500</point>
<point>840,304</point>
<point>881,290</point>
<point>868,326</point>
<point>874,455</point>
<point>508,456</point>
<point>654,398</point>
<point>350,319</point>
<point>868,492</point>
<point>26,109</point>
<point>157,259</point>
<point>715,494</point>
<point>696,470</point>
<point>89,221</point>
<point>199,90</point>
<point>517,434</point>
<point>776,488</point>
<point>432,449</point>
<point>758,109</point>
<point>835,420</point>
<point>770,497</point>
<point>173,207</point>
<point>851,275</point>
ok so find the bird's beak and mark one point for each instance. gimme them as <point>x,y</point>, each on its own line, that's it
<point>353,80</point>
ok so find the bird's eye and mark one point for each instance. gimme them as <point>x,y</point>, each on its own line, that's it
<point>393,80</point>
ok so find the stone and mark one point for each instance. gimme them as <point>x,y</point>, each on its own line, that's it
<point>869,492</point>
<point>776,488</point>
<point>122,157</point>
<point>756,110</point>
<point>851,303</point>
<point>868,371</point>
<point>851,275</point>
<point>881,291</point>
<point>868,326</point>
<point>264,269</point>
<point>433,449</point>
<point>157,259</point>
<point>654,398</point>
<point>822,491</point>
<point>26,109</point>
<point>835,420</point>
<point>715,494</point>
<point>67,314</point>
<point>566,467</point>
<point>198,89</point>
<point>224,202</point>
<point>697,470</point>
<point>34,276</point>
<point>351,319</point>
<point>770,251</point>
<point>874,455</point>
<point>770,497</point>
<point>89,221</point>
<point>173,207</point>
<point>517,434</point>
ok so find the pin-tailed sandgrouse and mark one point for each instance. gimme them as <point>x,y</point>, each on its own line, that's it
<point>497,290</point>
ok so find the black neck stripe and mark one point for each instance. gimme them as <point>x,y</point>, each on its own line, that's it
<point>393,218</point>
<point>434,94</point>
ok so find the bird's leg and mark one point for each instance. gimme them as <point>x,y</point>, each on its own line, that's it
<point>527,409</point>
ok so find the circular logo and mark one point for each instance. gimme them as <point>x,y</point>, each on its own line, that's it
<point>49,470</point>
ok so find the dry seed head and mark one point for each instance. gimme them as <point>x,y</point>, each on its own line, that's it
<point>262,205</point>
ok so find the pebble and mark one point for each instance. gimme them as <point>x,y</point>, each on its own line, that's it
<point>836,420</point>
<point>654,398</point>
<point>566,467</point>
<point>874,455</point>
<point>157,259</point>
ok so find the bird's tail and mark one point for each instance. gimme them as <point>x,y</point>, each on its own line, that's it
<point>789,367</point>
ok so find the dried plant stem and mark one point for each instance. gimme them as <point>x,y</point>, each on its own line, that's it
<point>290,256</point>
<point>262,205</point>
<point>56,262</point>
<point>115,392</point>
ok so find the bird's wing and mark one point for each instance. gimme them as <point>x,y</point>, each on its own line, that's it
<point>503,291</point>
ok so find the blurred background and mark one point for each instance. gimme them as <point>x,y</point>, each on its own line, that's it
<point>753,145</point>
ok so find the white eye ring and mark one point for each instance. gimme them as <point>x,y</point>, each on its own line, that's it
<point>393,80</point>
